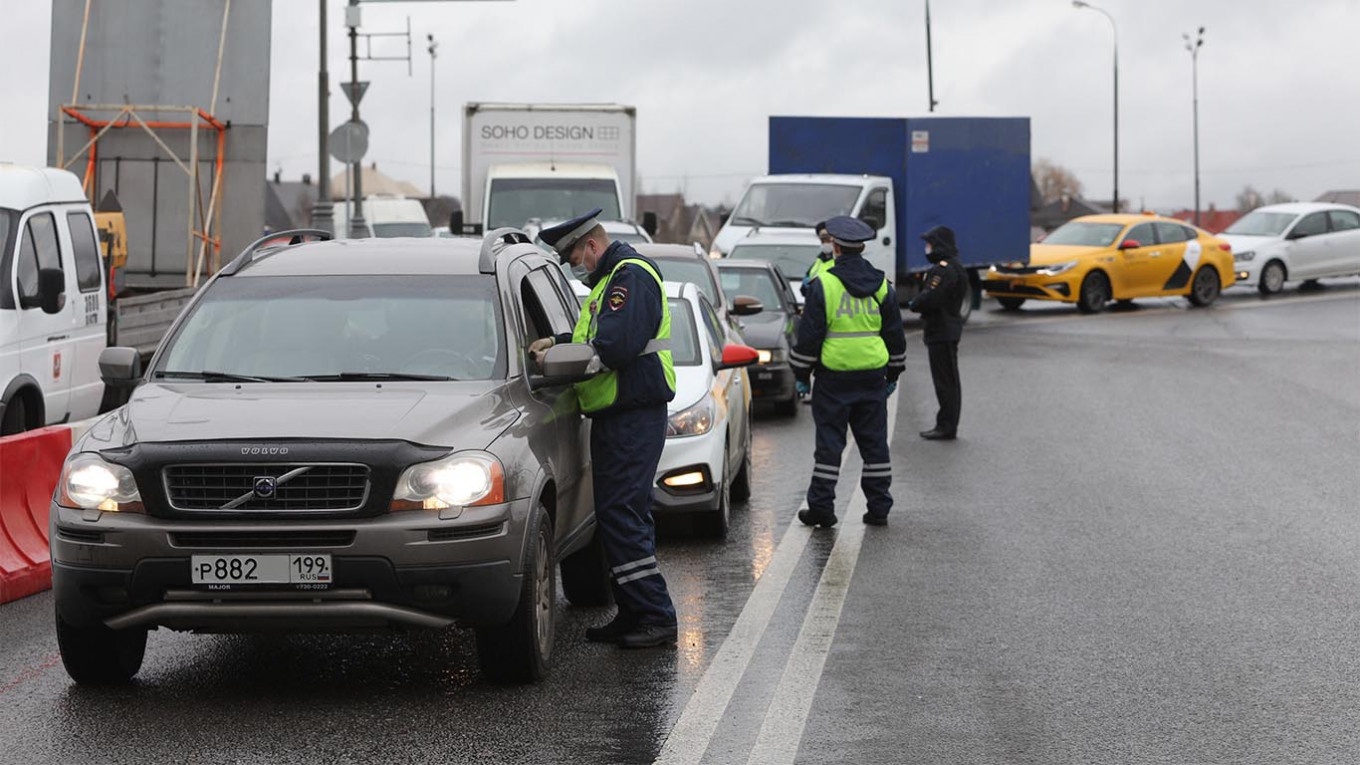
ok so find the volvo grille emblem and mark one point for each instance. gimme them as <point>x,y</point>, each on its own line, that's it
<point>266,487</point>
<point>251,450</point>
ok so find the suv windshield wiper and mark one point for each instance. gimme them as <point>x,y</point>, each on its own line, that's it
<point>347,376</point>
<point>793,223</point>
<point>211,376</point>
<point>742,220</point>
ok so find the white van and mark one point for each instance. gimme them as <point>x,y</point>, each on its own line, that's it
<point>53,300</point>
<point>387,216</point>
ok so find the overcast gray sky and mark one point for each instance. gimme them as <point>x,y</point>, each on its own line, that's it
<point>1279,82</point>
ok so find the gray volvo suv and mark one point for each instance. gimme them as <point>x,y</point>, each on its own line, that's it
<point>337,436</point>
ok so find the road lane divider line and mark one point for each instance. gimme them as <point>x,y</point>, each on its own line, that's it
<point>786,717</point>
<point>690,737</point>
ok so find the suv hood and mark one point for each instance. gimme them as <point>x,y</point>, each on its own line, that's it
<point>469,415</point>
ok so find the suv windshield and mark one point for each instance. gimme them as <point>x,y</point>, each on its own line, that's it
<point>793,259</point>
<point>684,337</point>
<point>1085,234</point>
<point>1260,223</point>
<point>690,270</point>
<point>340,327</point>
<point>513,201</point>
<point>758,283</point>
<point>799,205</point>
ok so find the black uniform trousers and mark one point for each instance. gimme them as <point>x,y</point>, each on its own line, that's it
<point>944,370</point>
<point>625,448</point>
<point>861,403</point>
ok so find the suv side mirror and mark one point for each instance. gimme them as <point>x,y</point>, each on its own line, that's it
<point>567,363</point>
<point>745,305</point>
<point>120,367</point>
<point>649,223</point>
<point>1296,234</point>
<point>51,297</point>
<point>734,356</point>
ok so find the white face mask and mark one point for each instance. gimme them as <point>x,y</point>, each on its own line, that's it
<point>580,272</point>
<point>826,248</point>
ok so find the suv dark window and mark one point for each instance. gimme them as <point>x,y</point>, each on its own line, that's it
<point>86,250</point>
<point>1344,220</point>
<point>321,326</point>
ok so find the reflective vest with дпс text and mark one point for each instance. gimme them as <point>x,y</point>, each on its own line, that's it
<point>602,390</point>
<point>853,324</point>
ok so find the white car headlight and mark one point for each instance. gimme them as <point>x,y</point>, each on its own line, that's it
<point>1245,256</point>
<point>88,482</point>
<point>694,421</point>
<point>458,480</point>
<point>772,355</point>
<point>1057,269</point>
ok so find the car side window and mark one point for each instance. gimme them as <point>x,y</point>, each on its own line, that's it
<point>549,302</point>
<point>716,336</point>
<point>1312,225</point>
<point>1143,233</point>
<point>1190,234</point>
<point>536,324</point>
<point>86,250</point>
<point>38,249</point>
<point>875,209</point>
<point>1170,233</point>
<point>1344,220</point>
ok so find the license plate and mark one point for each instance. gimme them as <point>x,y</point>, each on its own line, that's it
<point>764,375</point>
<point>260,569</point>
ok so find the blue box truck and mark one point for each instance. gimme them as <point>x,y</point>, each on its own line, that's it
<point>902,175</point>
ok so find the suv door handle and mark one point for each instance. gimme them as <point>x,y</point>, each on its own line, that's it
<point>57,338</point>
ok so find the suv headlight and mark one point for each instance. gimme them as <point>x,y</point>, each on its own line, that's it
<point>1244,256</point>
<point>88,482</point>
<point>694,421</point>
<point>1057,269</point>
<point>464,479</point>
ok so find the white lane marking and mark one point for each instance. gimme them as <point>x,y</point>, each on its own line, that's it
<point>690,737</point>
<point>693,733</point>
<point>786,717</point>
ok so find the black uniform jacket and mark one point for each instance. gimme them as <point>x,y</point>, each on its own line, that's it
<point>861,280</point>
<point>941,299</point>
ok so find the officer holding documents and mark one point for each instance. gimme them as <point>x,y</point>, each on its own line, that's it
<point>850,336</point>
<point>627,320</point>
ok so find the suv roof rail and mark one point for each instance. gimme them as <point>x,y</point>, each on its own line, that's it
<point>494,242</point>
<point>294,236</point>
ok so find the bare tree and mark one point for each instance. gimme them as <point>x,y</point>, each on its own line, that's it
<point>1249,199</point>
<point>1055,181</point>
<point>1279,196</point>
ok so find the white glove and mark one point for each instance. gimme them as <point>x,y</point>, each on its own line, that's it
<point>540,346</point>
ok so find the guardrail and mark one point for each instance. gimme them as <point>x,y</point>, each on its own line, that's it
<point>30,466</point>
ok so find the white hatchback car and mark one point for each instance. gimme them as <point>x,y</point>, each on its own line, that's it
<point>707,458</point>
<point>1299,241</point>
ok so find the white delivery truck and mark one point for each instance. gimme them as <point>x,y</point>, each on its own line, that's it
<point>53,300</point>
<point>537,163</point>
<point>386,216</point>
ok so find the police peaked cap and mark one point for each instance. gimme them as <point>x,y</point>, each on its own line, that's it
<point>845,230</point>
<point>565,235</point>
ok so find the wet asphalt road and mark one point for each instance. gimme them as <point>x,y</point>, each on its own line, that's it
<point>1142,549</point>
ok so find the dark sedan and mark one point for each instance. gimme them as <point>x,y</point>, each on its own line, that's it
<point>770,332</point>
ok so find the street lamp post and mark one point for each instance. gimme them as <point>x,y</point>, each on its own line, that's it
<point>1193,46</point>
<point>433,47</point>
<point>322,217</point>
<point>1115,30</point>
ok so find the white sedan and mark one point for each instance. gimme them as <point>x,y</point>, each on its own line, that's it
<point>1299,241</point>
<point>707,458</point>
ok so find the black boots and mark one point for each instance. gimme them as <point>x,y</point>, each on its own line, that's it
<point>810,518</point>
<point>935,434</point>
<point>625,632</point>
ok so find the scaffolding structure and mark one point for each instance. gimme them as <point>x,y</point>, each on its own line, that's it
<point>204,222</point>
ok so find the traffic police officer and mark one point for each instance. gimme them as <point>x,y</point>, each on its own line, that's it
<point>627,320</point>
<point>940,305</point>
<point>850,335</point>
<point>825,258</point>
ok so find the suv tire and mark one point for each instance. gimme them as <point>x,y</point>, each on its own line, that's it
<point>99,655</point>
<point>520,651</point>
<point>585,575</point>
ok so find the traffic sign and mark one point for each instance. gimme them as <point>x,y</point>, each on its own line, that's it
<point>349,142</point>
<point>355,95</point>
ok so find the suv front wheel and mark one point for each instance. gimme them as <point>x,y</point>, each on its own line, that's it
<point>520,651</point>
<point>99,655</point>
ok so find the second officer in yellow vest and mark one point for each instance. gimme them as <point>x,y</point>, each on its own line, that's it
<point>627,320</point>
<point>850,336</point>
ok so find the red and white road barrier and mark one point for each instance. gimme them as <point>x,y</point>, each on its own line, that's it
<point>30,465</point>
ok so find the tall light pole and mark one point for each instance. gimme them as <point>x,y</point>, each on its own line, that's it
<point>1113,28</point>
<point>322,217</point>
<point>1193,46</point>
<point>930,64</point>
<point>433,47</point>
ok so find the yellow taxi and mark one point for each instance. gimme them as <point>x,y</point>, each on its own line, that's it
<point>1094,259</point>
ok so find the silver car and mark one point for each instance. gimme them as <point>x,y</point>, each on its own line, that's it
<point>337,436</point>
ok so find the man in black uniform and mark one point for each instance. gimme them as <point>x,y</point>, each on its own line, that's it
<point>850,335</point>
<point>940,304</point>
<point>627,320</point>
